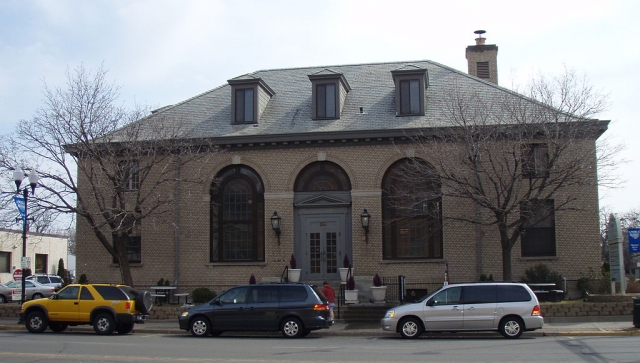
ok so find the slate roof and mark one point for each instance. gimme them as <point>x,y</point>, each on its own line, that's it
<point>288,113</point>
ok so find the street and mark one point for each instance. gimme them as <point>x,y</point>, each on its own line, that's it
<point>20,346</point>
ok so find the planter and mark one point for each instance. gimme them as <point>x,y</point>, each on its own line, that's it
<point>343,273</point>
<point>294,274</point>
<point>351,296</point>
<point>378,293</point>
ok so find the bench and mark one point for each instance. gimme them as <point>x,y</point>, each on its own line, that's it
<point>158,296</point>
<point>186,298</point>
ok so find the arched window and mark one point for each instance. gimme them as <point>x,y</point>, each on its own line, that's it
<point>237,216</point>
<point>411,211</point>
<point>322,176</point>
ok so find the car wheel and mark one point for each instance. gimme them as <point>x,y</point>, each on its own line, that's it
<point>200,327</point>
<point>36,322</point>
<point>3,299</point>
<point>511,327</point>
<point>58,327</point>
<point>410,328</point>
<point>37,295</point>
<point>124,328</point>
<point>291,328</point>
<point>104,324</point>
<point>144,302</point>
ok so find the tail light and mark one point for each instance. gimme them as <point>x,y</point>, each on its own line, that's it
<point>52,290</point>
<point>127,305</point>
<point>535,311</point>
<point>321,307</point>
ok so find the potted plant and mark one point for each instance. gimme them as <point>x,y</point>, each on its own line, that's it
<point>351,294</point>
<point>252,279</point>
<point>378,291</point>
<point>344,270</point>
<point>293,272</point>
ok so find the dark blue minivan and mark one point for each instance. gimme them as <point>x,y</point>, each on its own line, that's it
<point>294,309</point>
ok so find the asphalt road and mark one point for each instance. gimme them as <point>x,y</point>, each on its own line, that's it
<point>20,346</point>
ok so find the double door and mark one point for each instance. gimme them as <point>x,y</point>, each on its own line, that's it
<point>323,246</point>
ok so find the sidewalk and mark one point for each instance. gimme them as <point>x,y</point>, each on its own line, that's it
<point>578,326</point>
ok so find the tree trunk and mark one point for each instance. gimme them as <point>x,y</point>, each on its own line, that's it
<point>121,258</point>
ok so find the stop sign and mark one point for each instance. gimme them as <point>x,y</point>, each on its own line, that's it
<point>17,275</point>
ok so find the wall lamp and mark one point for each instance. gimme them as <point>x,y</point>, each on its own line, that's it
<point>365,217</point>
<point>275,224</point>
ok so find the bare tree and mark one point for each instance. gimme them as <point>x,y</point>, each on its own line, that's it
<point>102,162</point>
<point>507,155</point>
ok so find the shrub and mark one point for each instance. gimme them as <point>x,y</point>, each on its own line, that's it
<point>292,262</point>
<point>83,279</point>
<point>202,295</point>
<point>377,282</point>
<point>541,273</point>
<point>595,284</point>
<point>252,279</point>
<point>351,283</point>
<point>160,282</point>
<point>345,262</point>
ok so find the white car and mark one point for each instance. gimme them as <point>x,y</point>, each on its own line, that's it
<point>54,281</point>
<point>33,290</point>
<point>507,307</point>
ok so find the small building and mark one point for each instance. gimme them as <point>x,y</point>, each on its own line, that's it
<point>44,250</point>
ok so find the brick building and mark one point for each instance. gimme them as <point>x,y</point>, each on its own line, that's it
<point>320,147</point>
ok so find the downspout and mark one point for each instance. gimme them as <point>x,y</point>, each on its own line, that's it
<point>176,224</point>
<point>478,218</point>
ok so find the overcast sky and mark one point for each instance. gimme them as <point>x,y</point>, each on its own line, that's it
<point>163,52</point>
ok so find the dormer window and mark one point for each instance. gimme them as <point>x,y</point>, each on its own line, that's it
<point>329,90</point>
<point>410,82</point>
<point>249,97</point>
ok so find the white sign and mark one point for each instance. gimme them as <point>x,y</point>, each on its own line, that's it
<point>25,262</point>
<point>16,295</point>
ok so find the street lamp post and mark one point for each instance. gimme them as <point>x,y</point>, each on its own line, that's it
<point>18,176</point>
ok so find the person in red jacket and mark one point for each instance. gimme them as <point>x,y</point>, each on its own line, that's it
<point>330,294</point>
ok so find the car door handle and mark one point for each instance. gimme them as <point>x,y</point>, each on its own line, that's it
<point>471,308</point>
<point>75,303</point>
<point>455,308</point>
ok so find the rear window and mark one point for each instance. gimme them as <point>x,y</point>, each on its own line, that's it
<point>111,293</point>
<point>56,280</point>
<point>293,293</point>
<point>513,293</point>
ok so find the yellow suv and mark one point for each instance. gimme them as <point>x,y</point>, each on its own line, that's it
<point>107,307</point>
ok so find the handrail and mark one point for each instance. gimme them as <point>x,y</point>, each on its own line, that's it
<point>284,277</point>
<point>343,287</point>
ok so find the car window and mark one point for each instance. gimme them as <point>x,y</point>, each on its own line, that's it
<point>263,294</point>
<point>42,279</point>
<point>448,296</point>
<point>479,294</point>
<point>69,293</point>
<point>235,296</point>
<point>85,294</point>
<point>293,293</point>
<point>111,293</point>
<point>29,284</point>
<point>513,293</point>
<point>56,280</point>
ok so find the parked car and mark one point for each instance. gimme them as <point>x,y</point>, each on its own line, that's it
<point>108,307</point>
<point>54,281</point>
<point>33,290</point>
<point>294,309</point>
<point>509,308</point>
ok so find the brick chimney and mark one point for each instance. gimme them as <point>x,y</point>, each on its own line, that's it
<point>482,59</point>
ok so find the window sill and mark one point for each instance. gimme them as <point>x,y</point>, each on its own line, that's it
<point>418,260</point>
<point>244,263</point>
<point>538,258</point>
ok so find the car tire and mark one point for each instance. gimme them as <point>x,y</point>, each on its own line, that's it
<point>3,299</point>
<point>124,328</point>
<point>58,327</point>
<point>511,327</point>
<point>410,328</point>
<point>36,322</point>
<point>104,324</point>
<point>200,327</point>
<point>144,302</point>
<point>37,295</point>
<point>291,328</point>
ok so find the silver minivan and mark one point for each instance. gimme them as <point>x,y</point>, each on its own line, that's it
<point>508,307</point>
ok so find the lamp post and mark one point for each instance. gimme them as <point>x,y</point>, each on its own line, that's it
<point>18,176</point>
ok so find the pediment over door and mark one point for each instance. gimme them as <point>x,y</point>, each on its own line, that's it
<point>322,201</point>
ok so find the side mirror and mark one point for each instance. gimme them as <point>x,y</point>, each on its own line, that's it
<point>430,302</point>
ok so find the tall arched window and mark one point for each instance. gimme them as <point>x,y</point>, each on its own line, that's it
<point>237,216</point>
<point>411,211</point>
<point>322,176</point>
